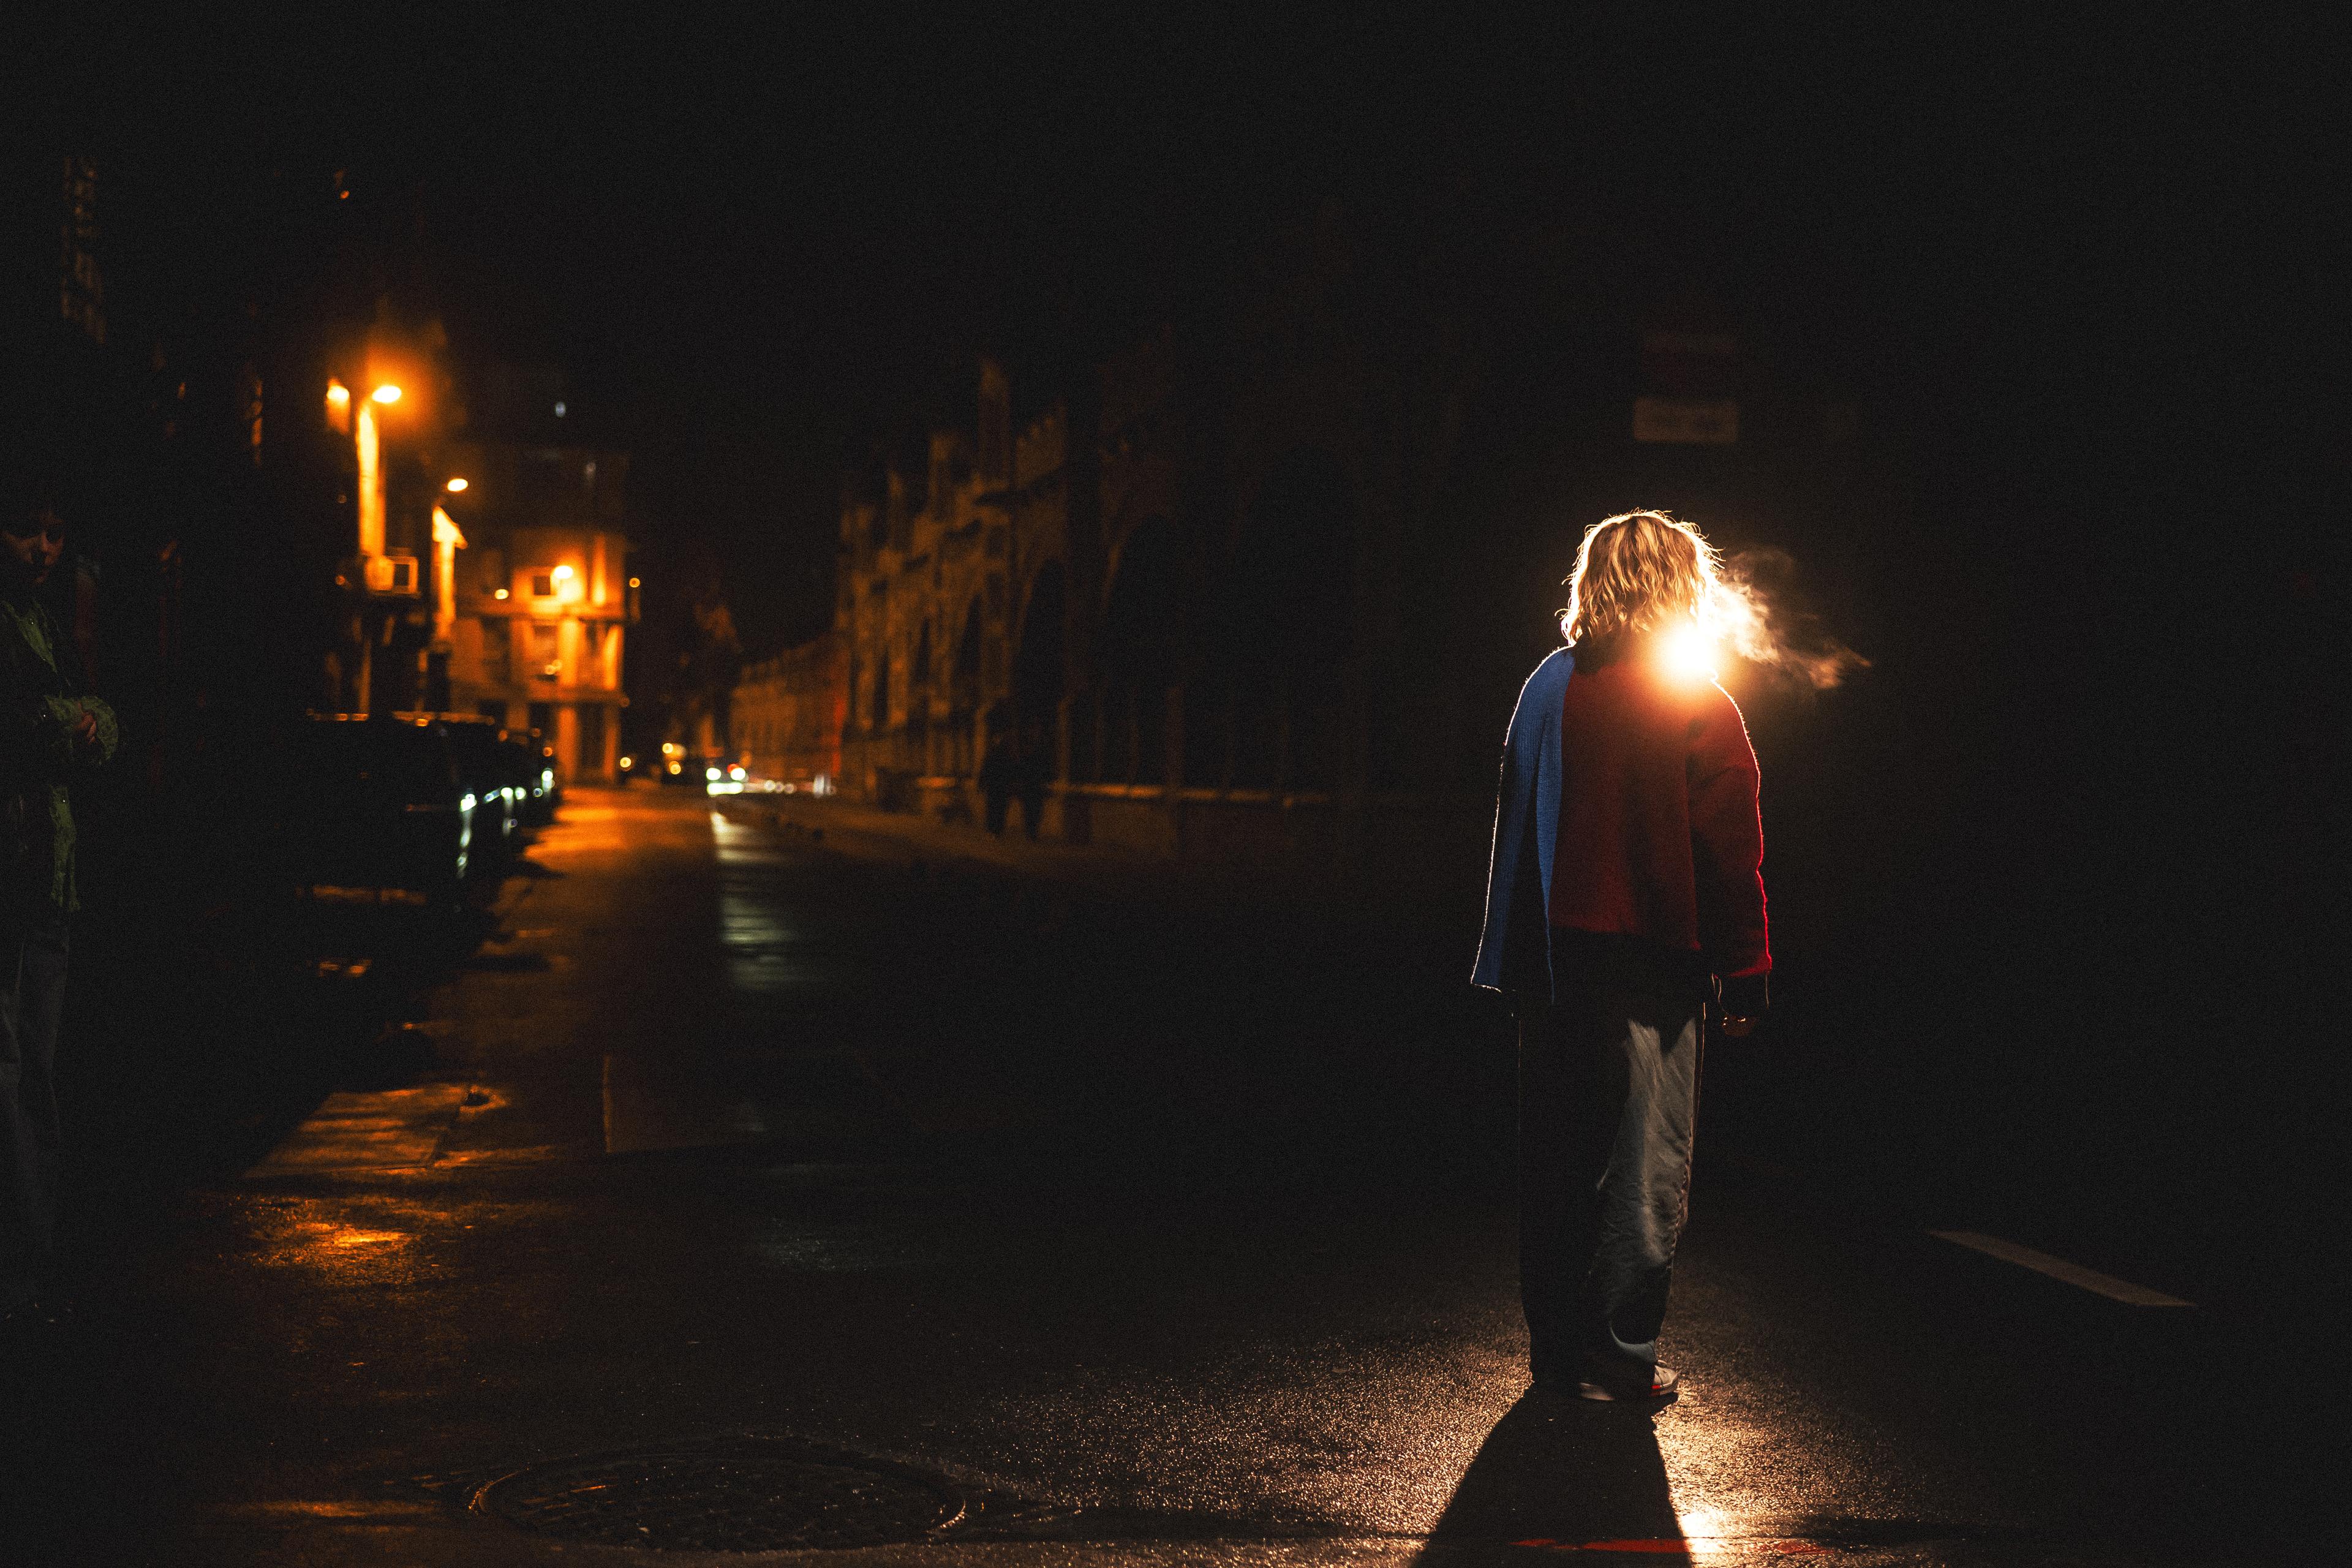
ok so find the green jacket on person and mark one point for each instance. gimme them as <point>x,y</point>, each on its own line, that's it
<point>40,706</point>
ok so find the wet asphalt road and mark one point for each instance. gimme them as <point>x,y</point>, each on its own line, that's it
<point>1135,1236</point>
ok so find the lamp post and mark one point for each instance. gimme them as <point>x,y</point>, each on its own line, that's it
<point>368,445</point>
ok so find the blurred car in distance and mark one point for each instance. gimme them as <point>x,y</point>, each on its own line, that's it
<point>363,808</point>
<point>693,770</point>
<point>531,769</point>
<point>500,796</point>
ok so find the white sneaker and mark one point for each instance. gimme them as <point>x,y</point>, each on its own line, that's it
<point>1665,1383</point>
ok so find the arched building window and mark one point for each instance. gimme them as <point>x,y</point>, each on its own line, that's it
<point>1142,620</point>
<point>1037,660</point>
<point>1285,634</point>
<point>963,688</point>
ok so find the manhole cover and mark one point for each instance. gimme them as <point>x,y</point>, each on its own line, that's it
<point>738,1495</point>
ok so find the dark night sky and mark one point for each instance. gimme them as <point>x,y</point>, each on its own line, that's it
<point>758,243</point>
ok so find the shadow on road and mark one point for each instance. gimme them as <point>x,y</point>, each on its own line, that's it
<point>208,1017</point>
<point>1559,1473</point>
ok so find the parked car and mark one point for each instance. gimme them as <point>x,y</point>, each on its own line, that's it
<point>363,805</point>
<point>500,797</point>
<point>550,780</point>
<point>692,769</point>
<point>530,769</point>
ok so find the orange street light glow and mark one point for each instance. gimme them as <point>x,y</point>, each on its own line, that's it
<point>500,594</point>
<point>456,487</point>
<point>338,392</point>
<point>387,394</point>
<point>563,573</point>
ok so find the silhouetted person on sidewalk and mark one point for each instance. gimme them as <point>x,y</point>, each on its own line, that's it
<point>1034,767</point>
<point>998,767</point>
<point>51,732</point>
<point>1625,891</point>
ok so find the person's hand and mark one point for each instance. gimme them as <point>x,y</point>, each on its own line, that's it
<point>1738,1027</point>
<point>84,730</point>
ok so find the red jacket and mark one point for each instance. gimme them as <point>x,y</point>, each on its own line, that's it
<point>1659,833</point>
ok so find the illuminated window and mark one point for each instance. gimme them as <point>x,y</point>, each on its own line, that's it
<point>497,652</point>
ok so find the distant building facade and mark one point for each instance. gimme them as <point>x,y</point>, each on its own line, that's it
<point>538,595</point>
<point>1259,589</point>
<point>787,714</point>
<point>1175,591</point>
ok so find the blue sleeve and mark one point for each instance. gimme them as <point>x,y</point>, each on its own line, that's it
<point>1515,944</point>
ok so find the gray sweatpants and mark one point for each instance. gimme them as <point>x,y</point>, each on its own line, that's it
<point>1608,1097</point>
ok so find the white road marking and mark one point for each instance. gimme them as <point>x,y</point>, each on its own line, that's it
<point>2073,1274</point>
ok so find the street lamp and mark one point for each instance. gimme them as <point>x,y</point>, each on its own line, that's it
<point>368,441</point>
<point>370,463</point>
<point>456,487</point>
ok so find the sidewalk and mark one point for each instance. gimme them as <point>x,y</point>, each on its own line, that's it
<point>1203,887</point>
<point>908,837</point>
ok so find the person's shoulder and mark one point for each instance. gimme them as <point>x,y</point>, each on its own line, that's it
<point>1716,712</point>
<point>1550,674</point>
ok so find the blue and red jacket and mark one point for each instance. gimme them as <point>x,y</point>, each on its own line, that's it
<point>1628,808</point>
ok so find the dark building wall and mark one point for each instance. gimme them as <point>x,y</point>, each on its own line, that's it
<point>1301,542</point>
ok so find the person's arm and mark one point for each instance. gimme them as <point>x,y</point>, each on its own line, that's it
<point>1728,855</point>
<point>96,732</point>
<point>1514,942</point>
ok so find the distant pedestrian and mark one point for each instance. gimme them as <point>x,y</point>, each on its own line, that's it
<point>998,764</point>
<point>1625,894</point>
<point>51,732</point>
<point>1035,768</point>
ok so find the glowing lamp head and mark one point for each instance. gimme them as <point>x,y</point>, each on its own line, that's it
<point>387,394</point>
<point>456,487</point>
<point>338,392</point>
<point>563,573</point>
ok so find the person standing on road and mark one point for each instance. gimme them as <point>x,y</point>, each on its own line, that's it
<point>51,732</point>
<point>1035,770</point>
<point>997,765</point>
<point>1625,895</point>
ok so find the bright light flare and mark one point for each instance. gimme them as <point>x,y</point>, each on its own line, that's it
<point>1688,652</point>
<point>386,395</point>
<point>338,392</point>
<point>456,487</point>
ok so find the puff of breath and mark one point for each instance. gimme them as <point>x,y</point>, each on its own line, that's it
<point>1743,613</point>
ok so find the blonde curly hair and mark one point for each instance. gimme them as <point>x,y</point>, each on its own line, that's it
<point>1638,571</point>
